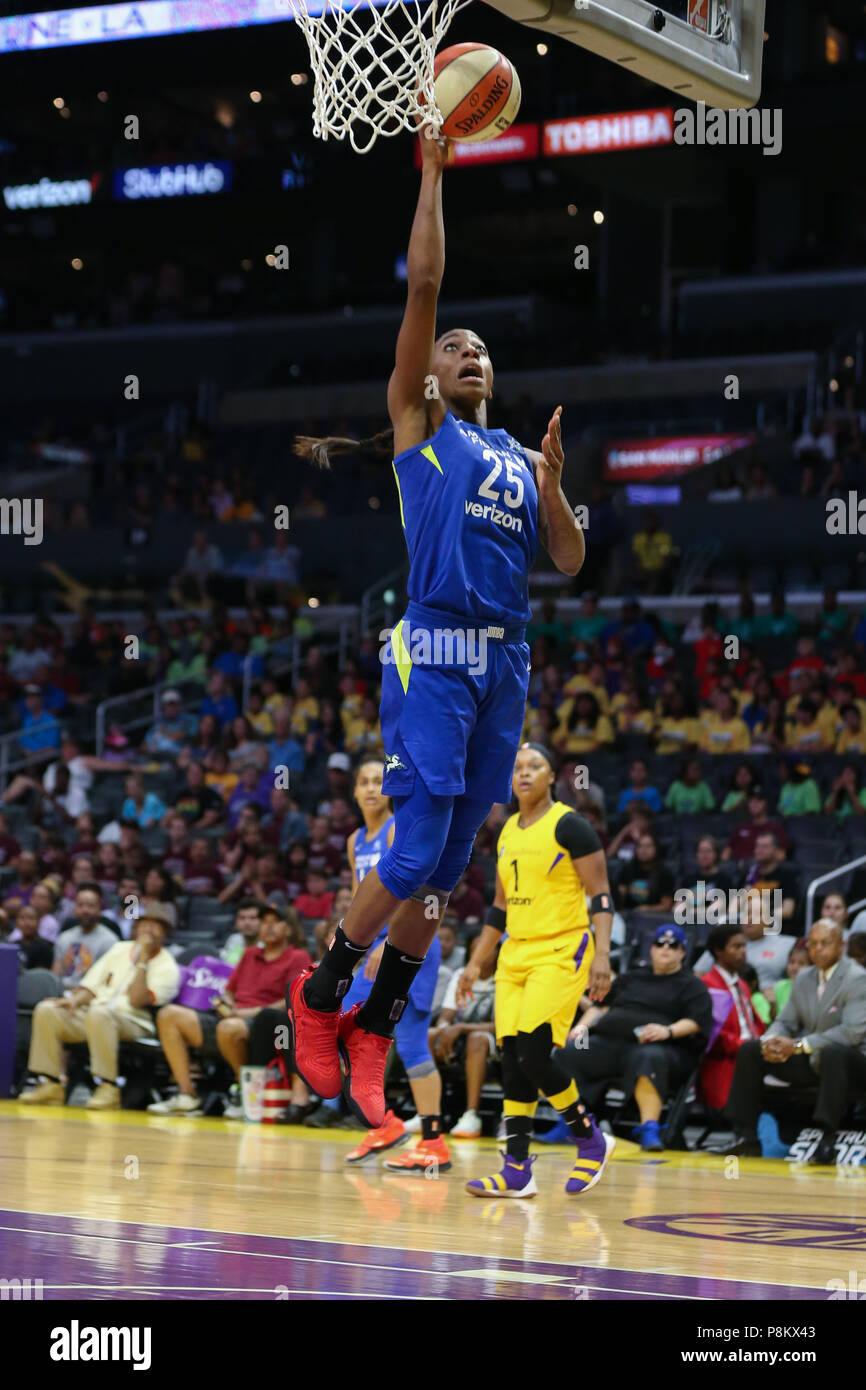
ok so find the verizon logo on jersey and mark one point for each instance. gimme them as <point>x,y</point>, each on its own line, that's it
<point>507,520</point>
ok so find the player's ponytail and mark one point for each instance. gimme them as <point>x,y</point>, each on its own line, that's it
<point>321,451</point>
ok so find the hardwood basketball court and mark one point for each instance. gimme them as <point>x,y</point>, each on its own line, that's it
<point>129,1206</point>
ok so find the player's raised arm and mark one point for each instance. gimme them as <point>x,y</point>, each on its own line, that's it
<point>560,534</point>
<point>425,266</point>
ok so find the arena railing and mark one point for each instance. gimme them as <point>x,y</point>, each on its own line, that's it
<point>819,882</point>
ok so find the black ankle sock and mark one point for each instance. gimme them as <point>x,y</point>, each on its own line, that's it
<point>390,993</point>
<point>578,1119</point>
<point>518,1128</point>
<point>333,975</point>
<point>431,1126</point>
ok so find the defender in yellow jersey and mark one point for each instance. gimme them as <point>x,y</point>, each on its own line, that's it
<point>549,861</point>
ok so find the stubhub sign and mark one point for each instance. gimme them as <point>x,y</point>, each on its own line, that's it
<point>173,180</point>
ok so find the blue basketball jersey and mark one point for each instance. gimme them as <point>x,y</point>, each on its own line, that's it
<point>369,849</point>
<point>469,508</point>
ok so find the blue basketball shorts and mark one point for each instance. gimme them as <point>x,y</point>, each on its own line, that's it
<point>453,704</point>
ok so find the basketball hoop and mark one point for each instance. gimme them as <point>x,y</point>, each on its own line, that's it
<point>373,64</point>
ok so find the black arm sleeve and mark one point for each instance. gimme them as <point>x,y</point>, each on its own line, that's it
<point>576,835</point>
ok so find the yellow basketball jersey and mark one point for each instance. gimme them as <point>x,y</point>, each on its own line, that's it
<point>544,896</point>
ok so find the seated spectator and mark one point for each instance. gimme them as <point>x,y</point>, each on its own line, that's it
<point>466,903</point>
<point>654,553</point>
<point>586,729</point>
<point>84,939</point>
<point>108,868</point>
<point>174,731</point>
<point>648,1034</point>
<point>200,806</point>
<point>321,854</point>
<point>820,1034</point>
<point>736,800</point>
<point>678,729</point>
<point>634,717</point>
<point>857,947</point>
<point>639,789</point>
<point>44,898</point>
<point>201,875</point>
<point>805,733</point>
<point>107,1006</point>
<point>800,795</point>
<point>847,795</point>
<point>467,1037</point>
<point>453,954</point>
<point>219,775</point>
<point>34,950</point>
<point>768,872</point>
<point>219,703</point>
<point>248,921</point>
<point>779,993</point>
<point>770,731</point>
<point>588,626</point>
<point>39,734</point>
<point>203,562</point>
<point>852,738</point>
<point>258,981</point>
<point>835,909</point>
<point>124,909</point>
<point>160,888</point>
<point>244,746</point>
<point>645,882</point>
<point>252,787</point>
<point>724,731</point>
<point>711,872</point>
<point>767,949</point>
<point>639,823</point>
<point>284,750</point>
<point>727,946</point>
<point>176,854</point>
<point>260,719</point>
<point>741,842</point>
<point>142,806</point>
<point>316,900</point>
<point>9,846</point>
<point>689,794</point>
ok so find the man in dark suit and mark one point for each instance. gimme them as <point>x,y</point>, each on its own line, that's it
<point>819,1037</point>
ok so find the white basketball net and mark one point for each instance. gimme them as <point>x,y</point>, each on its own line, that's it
<point>373,65</point>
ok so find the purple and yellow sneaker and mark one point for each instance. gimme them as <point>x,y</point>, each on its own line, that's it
<point>592,1155</point>
<point>515,1180</point>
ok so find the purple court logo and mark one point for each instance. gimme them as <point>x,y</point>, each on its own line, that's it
<point>759,1228</point>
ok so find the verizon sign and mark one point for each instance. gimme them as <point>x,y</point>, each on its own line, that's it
<point>623,130</point>
<point>639,460</point>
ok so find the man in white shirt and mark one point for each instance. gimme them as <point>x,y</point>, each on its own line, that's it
<point>109,1005</point>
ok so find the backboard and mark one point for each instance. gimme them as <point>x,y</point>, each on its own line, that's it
<point>708,50</point>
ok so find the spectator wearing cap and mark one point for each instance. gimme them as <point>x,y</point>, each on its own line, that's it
<point>800,794</point>
<point>174,730</point>
<point>649,1034</point>
<point>727,946</point>
<point>258,981</point>
<point>39,734</point>
<point>109,1004</point>
<point>820,1036</point>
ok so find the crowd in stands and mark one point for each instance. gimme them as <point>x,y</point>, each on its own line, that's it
<point>701,770</point>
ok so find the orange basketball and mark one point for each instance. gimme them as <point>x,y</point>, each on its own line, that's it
<point>477,91</point>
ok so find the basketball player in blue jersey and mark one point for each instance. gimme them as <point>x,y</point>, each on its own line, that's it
<point>365,848</point>
<point>474,504</point>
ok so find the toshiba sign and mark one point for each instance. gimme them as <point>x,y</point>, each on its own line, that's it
<point>622,130</point>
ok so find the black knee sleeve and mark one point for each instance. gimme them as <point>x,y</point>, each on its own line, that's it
<point>515,1083</point>
<point>533,1054</point>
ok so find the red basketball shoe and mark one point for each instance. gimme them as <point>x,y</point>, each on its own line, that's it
<point>316,1058</point>
<point>364,1056</point>
<point>391,1132</point>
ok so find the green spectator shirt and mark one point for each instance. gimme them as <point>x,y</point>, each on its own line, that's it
<point>800,798</point>
<point>689,801</point>
<point>768,625</point>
